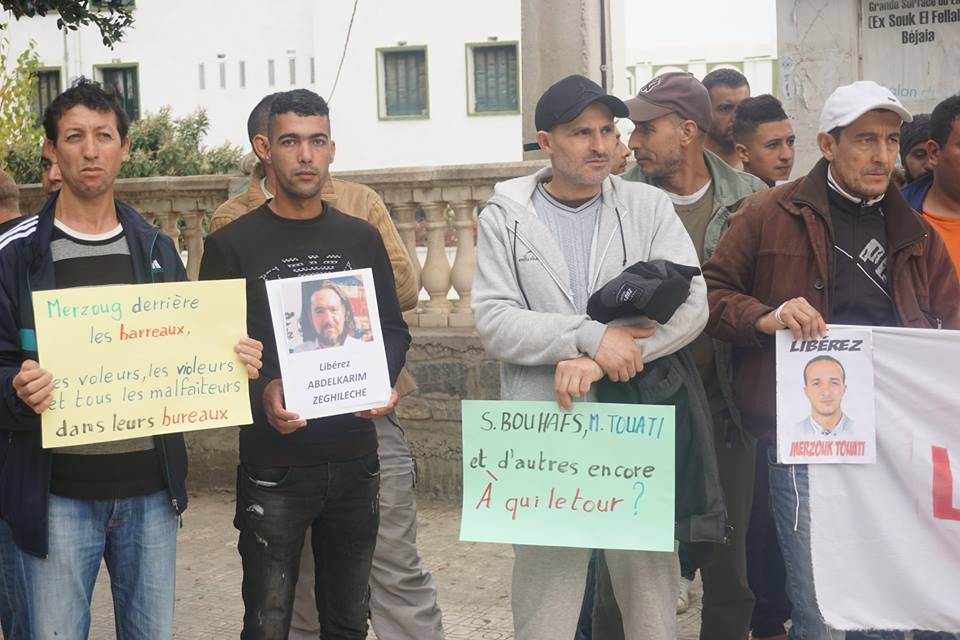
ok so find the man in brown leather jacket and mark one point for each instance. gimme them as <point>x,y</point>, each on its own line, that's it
<point>839,245</point>
<point>403,597</point>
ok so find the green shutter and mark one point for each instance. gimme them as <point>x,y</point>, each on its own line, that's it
<point>495,78</point>
<point>405,82</point>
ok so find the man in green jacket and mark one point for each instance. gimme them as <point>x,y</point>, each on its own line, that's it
<point>672,114</point>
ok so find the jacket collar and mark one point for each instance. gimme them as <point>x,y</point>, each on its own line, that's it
<point>726,181</point>
<point>903,225</point>
<point>141,238</point>
<point>515,198</point>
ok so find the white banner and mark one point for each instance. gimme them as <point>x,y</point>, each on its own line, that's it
<point>886,537</point>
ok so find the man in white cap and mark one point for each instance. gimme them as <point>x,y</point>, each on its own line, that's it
<point>839,245</point>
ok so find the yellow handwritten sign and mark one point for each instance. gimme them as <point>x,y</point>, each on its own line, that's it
<point>142,360</point>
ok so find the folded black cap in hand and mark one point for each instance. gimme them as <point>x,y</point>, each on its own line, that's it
<point>655,289</point>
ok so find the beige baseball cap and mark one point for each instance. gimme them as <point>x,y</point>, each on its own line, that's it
<point>674,92</point>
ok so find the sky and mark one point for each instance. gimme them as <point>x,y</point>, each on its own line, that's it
<point>700,26</point>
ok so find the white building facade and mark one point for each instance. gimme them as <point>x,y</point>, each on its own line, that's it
<point>423,83</point>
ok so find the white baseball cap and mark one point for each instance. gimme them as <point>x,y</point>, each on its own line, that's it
<point>849,102</point>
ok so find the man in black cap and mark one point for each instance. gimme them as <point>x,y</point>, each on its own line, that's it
<point>546,242</point>
<point>672,115</point>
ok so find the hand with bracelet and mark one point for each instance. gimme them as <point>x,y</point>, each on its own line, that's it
<point>795,314</point>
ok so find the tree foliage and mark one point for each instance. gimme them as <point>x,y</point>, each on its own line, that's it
<point>20,133</point>
<point>111,17</point>
<point>161,145</point>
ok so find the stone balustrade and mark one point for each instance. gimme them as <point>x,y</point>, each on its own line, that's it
<point>448,198</point>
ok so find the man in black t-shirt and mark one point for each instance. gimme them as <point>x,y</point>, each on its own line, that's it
<point>294,474</point>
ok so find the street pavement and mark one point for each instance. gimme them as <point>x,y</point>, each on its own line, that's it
<point>473,578</point>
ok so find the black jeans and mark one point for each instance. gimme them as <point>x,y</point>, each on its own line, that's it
<point>275,506</point>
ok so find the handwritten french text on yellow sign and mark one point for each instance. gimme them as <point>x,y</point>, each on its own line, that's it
<point>142,360</point>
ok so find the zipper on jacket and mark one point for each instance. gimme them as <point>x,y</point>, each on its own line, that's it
<point>153,244</point>
<point>165,465</point>
<point>176,510</point>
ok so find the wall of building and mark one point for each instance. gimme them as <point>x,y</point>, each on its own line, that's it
<point>904,45</point>
<point>172,38</point>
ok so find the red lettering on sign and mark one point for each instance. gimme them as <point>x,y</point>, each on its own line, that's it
<point>943,486</point>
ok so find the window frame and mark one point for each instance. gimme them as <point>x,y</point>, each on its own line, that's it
<point>470,47</point>
<point>382,79</point>
<point>46,70</point>
<point>98,70</point>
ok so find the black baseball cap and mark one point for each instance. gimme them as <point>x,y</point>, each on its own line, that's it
<point>566,99</point>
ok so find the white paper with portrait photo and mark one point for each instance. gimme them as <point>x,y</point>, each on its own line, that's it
<point>329,343</point>
<point>826,407</point>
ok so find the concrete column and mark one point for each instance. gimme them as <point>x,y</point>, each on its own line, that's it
<point>560,38</point>
<point>818,48</point>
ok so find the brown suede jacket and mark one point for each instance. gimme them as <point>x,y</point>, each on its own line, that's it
<point>779,246</point>
<point>355,200</point>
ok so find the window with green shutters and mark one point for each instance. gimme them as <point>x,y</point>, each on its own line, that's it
<point>495,78</point>
<point>48,88</point>
<point>123,80</point>
<point>404,83</point>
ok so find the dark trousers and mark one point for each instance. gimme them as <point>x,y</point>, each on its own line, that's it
<point>585,624</point>
<point>727,600</point>
<point>765,570</point>
<point>275,506</point>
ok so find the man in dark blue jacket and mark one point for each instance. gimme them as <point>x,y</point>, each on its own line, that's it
<point>936,195</point>
<point>69,508</point>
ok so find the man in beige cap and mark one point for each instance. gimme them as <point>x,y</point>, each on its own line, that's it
<point>839,245</point>
<point>672,114</point>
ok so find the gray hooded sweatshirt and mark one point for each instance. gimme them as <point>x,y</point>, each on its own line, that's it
<point>522,299</point>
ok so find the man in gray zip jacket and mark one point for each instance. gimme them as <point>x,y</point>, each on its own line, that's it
<point>546,242</point>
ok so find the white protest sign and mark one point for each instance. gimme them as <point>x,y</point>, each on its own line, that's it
<point>825,398</point>
<point>329,343</point>
<point>885,538</point>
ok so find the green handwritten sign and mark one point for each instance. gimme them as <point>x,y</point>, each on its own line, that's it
<point>600,476</point>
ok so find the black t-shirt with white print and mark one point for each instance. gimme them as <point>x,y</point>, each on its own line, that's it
<point>861,280</point>
<point>261,246</point>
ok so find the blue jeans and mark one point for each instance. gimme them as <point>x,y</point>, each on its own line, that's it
<point>790,507</point>
<point>339,502</point>
<point>12,621</point>
<point>138,539</point>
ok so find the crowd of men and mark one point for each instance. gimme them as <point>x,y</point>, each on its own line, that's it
<point>326,510</point>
